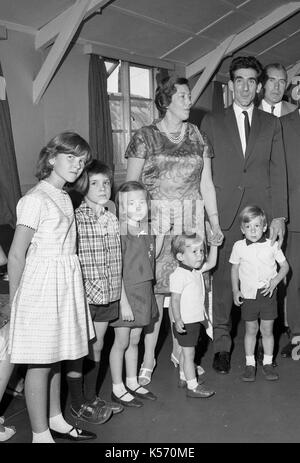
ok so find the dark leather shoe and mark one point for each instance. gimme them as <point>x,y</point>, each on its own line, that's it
<point>81,435</point>
<point>132,403</point>
<point>221,363</point>
<point>91,414</point>
<point>148,395</point>
<point>113,406</point>
<point>199,392</point>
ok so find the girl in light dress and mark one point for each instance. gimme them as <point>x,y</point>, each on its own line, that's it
<point>49,318</point>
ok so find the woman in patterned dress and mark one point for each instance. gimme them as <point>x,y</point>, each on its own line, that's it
<point>49,317</point>
<point>172,158</point>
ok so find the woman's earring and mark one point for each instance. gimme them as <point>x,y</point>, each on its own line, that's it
<point>52,162</point>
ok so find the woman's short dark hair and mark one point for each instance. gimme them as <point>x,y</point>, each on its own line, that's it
<point>245,62</point>
<point>165,90</point>
<point>82,185</point>
<point>65,142</point>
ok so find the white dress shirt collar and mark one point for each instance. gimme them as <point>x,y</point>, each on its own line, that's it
<point>267,107</point>
<point>238,111</point>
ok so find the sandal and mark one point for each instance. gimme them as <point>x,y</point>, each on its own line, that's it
<point>145,374</point>
<point>9,431</point>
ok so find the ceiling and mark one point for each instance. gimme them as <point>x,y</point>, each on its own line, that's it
<point>178,32</point>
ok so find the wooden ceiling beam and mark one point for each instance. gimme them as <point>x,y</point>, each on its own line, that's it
<point>59,48</point>
<point>276,17</point>
<point>47,33</point>
<point>121,54</point>
<point>203,80</point>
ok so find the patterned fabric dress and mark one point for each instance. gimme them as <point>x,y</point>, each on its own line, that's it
<point>50,320</point>
<point>172,175</point>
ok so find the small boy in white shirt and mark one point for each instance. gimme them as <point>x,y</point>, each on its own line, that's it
<point>254,280</point>
<point>187,302</point>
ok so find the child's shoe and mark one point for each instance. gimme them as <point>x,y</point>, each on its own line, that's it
<point>249,373</point>
<point>91,414</point>
<point>199,392</point>
<point>270,374</point>
<point>100,403</point>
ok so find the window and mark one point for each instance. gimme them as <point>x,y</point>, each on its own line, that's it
<point>131,98</point>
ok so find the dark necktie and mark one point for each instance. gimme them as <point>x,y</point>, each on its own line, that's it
<point>272,109</point>
<point>247,126</point>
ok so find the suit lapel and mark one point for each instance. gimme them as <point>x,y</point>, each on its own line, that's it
<point>254,132</point>
<point>233,131</point>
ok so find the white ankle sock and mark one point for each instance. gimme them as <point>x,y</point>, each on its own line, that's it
<point>267,359</point>
<point>59,424</point>
<point>119,390</point>
<point>42,437</point>
<point>192,383</point>
<point>133,384</point>
<point>250,360</point>
<point>182,375</point>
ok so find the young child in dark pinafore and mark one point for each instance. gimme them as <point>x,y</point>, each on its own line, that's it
<point>254,281</point>
<point>137,305</point>
<point>187,302</point>
<point>99,252</point>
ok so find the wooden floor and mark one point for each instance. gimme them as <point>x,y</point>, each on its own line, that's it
<point>239,412</point>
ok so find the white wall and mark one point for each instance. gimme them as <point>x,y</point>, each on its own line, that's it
<point>19,63</point>
<point>64,105</point>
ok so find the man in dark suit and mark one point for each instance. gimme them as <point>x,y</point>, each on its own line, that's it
<point>291,140</point>
<point>274,85</point>
<point>248,168</point>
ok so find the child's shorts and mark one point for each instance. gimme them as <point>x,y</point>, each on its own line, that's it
<point>4,333</point>
<point>263,307</point>
<point>190,337</point>
<point>105,312</point>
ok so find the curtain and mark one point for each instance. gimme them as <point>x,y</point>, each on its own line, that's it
<point>100,131</point>
<point>10,190</point>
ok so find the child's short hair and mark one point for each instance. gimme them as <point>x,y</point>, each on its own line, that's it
<point>251,212</point>
<point>65,142</point>
<point>178,242</point>
<point>82,185</point>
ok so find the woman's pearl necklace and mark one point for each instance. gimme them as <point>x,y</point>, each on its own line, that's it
<point>171,137</point>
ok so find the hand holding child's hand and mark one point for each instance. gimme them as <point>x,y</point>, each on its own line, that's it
<point>214,234</point>
<point>126,312</point>
<point>238,298</point>
<point>269,288</point>
<point>179,325</point>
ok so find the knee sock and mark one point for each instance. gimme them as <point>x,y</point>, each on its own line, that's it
<point>42,437</point>
<point>76,393</point>
<point>90,372</point>
<point>133,384</point>
<point>120,390</point>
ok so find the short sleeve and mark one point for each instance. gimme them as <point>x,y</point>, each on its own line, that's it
<point>279,256</point>
<point>137,147</point>
<point>208,150</point>
<point>235,255</point>
<point>176,283</point>
<point>202,138</point>
<point>29,210</point>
